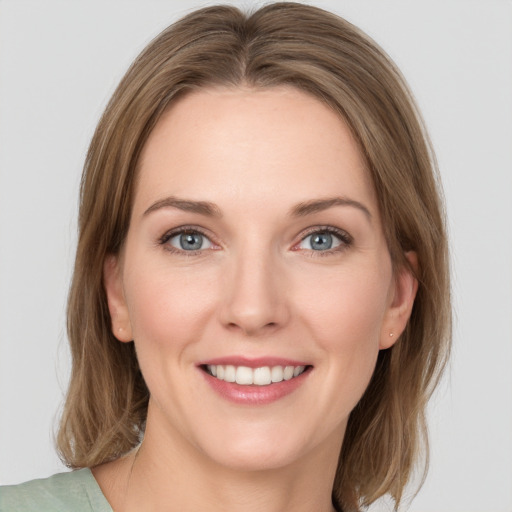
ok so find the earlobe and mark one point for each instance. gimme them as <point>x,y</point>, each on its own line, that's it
<point>406,287</point>
<point>120,318</point>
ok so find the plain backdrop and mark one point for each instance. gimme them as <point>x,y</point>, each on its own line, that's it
<point>59,63</point>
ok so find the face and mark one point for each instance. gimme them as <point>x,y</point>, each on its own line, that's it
<point>255,254</point>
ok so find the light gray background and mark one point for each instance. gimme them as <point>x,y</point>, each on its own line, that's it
<point>59,63</point>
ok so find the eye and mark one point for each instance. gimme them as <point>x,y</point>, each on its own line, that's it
<point>188,240</point>
<point>323,240</point>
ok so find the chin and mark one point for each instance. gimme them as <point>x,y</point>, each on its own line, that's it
<point>269,448</point>
<point>256,456</point>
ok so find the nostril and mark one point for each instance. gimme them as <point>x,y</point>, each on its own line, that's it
<point>254,329</point>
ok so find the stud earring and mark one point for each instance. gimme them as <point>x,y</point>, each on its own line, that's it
<point>391,334</point>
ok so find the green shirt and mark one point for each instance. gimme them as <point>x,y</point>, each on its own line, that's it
<point>76,491</point>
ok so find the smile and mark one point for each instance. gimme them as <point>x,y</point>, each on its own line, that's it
<point>254,381</point>
<point>261,376</point>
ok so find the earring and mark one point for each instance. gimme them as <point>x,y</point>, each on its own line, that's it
<point>391,334</point>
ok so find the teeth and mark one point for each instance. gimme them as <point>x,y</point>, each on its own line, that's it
<point>288,373</point>
<point>276,374</point>
<point>229,373</point>
<point>246,376</point>
<point>298,370</point>
<point>262,376</point>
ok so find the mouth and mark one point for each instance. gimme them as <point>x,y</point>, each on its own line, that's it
<point>254,382</point>
<point>259,376</point>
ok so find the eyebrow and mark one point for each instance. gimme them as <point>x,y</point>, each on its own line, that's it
<point>319,205</point>
<point>300,210</point>
<point>201,207</point>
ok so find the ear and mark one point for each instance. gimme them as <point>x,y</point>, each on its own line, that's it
<point>402,301</point>
<point>120,318</point>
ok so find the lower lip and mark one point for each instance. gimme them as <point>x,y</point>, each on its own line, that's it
<point>255,395</point>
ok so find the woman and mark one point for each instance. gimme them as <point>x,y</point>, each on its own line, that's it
<point>260,304</point>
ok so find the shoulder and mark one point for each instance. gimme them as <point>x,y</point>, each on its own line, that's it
<point>75,491</point>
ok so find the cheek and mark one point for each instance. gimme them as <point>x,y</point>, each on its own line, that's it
<point>354,340</point>
<point>346,322</point>
<point>168,312</point>
<point>167,307</point>
<point>351,309</point>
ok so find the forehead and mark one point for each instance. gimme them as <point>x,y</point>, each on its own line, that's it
<point>253,143</point>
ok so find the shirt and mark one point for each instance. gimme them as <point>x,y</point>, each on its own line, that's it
<point>75,491</point>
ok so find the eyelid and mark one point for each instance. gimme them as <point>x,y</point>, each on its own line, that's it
<point>162,241</point>
<point>345,238</point>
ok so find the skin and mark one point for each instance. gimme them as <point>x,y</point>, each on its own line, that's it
<point>257,289</point>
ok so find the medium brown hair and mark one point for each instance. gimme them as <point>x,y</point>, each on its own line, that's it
<point>327,57</point>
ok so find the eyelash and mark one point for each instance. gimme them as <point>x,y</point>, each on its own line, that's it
<point>181,231</point>
<point>343,236</point>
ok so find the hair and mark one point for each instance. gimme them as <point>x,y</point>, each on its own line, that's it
<point>327,57</point>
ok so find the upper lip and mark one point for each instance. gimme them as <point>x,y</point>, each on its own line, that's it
<point>257,362</point>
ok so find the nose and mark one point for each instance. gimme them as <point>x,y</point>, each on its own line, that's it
<point>254,295</point>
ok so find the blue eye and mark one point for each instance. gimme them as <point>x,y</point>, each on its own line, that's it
<point>190,241</point>
<point>323,240</point>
